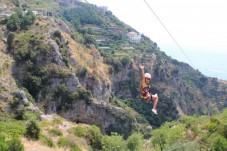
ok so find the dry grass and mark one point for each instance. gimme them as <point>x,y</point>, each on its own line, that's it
<point>63,127</point>
<point>84,58</point>
<point>30,145</point>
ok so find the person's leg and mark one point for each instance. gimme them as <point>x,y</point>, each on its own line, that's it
<point>155,99</point>
<point>148,96</point>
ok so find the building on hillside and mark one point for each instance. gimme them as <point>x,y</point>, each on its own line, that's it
<point>105,48</point>
<point>134,37</point>
<point>34,12</point>
<point>6,14</point>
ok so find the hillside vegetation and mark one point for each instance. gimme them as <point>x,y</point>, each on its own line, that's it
<point>69,80</point>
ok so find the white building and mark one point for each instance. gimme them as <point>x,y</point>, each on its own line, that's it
<point>34,12</point>
<point>134,37</point>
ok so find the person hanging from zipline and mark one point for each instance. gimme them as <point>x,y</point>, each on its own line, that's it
<point>145,89</point>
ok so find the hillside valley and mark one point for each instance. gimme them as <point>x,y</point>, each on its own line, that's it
<point>71,73</point>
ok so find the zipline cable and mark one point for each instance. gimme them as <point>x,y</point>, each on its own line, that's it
<point>177,43</point>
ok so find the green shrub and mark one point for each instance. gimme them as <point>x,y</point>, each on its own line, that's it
<point>10,39</point>
<point>95,137</point>
<point>61,90</point>
<point>58,41</point>
<point>15,145</point>
<point>184,146</point>
<point>55,132</point>
<point>12,128</point>
<point>57,33</point>
<point>57,121</point>
<point>20,113</point>
<point>114,142</point>
<point>47,141</point>
<point>75,96</point>
<point>13,22</point>
<point>32,130</point>
<point>188,120</point>
<point>3,144</point>
<point>134,142</point>
<point>27,20</point>
<point>64,142</point>
<point>168,134</point>
<point>14,103</point>
<point>219,143</point>
<point>211,127</point>
<point>222,130</point>
<point>28,115</point>
<point>80,131</point>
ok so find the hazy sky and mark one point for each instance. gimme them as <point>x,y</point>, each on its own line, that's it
<point>199,26</point>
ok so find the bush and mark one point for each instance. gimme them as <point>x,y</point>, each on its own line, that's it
<point>57,33</point>
<point>57,121</point>
<point>80,131</point>
<point>95,137</point>
<point>58,41</point>
<point>55,132</point>
<point>14,103</point>
<point>47,141</point>
<point>27,20</point>
<point>13,22</point>
<point>188,120</point>
<point>32,130</point>
<point>134,142</point>
<point>20,113</point>
<point>10,39</point>
<point>114,142</point>
<point>168,134</point>
<point>219,143</point>
<point>61,90</point>
<point>12,128</point>
<point>15,145</point>
<point>185,146</point>
<point>3,144</point>
<point>12,145</point>
<point>64,142</point>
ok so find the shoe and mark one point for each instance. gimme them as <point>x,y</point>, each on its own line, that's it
<point>154,111</point>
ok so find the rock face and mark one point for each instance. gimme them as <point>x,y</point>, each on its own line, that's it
<point>60,85</point>
<point>107,117</point>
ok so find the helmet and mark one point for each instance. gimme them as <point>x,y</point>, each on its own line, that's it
<point>147,75</point>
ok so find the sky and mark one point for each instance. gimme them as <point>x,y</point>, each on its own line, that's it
<point>198,26</point>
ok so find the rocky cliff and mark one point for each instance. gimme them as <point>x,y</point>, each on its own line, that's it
<point>60,67</point>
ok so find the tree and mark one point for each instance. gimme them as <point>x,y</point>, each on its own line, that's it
<point>219,143</point>
<point>32,130</point>
<point>95,137</point>
<point>134,142</point>
<point>15,145</point>
<point>13,22</point>
<point>114,142</point>
<point>27,20</point>
<point>20,112</point>
<point>10,39</point>
<point>89,39</point>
